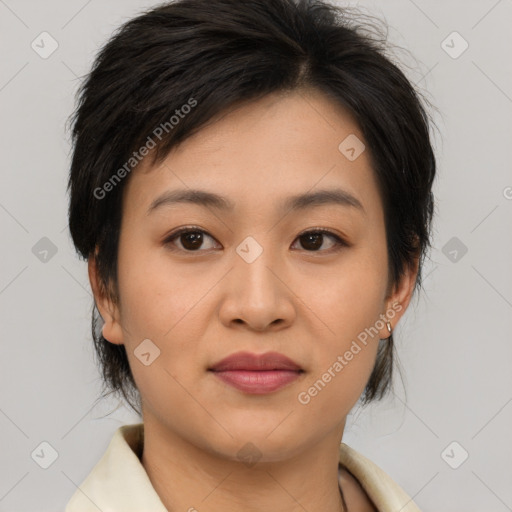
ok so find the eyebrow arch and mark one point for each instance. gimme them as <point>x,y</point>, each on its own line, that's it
<point>298,202</point>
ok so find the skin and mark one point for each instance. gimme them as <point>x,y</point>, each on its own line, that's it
<point>200,306</point>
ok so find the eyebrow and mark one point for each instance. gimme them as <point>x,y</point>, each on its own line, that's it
<point>298,202</point>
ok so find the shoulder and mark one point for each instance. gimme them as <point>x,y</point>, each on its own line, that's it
<point>367,481</point>
<point>118,481</point>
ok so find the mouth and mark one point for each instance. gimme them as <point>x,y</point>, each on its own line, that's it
<point>257,374</point>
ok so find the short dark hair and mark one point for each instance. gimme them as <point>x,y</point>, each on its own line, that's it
<point>210,55</point>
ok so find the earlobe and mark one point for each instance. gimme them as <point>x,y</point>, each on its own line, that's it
<point>108,310</point>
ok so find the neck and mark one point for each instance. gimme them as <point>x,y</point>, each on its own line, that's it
<point>191,478</point>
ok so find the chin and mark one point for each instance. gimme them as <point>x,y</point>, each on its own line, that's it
<point>256,445</point>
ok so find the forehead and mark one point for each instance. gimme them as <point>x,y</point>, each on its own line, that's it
<point>259,152</point>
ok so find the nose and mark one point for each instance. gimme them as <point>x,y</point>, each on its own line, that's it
<point>257,295</point>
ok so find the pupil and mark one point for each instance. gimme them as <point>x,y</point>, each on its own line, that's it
<point>317,242</point>
<point>195,238</point>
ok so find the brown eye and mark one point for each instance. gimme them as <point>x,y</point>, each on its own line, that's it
<point>190,240</point>
<point>314,239</point>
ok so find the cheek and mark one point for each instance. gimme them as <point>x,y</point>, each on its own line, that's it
<point>348,298</point>
<point>157,296</point>
<point>167,306</point>
<point>345,306</point>
<point>345,349</point>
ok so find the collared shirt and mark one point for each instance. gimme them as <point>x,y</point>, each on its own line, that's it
<point>119,482</point>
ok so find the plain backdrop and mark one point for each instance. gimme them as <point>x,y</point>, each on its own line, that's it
<point>444,435</point>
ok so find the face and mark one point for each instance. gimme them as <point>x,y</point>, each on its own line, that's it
<point>258,276</point>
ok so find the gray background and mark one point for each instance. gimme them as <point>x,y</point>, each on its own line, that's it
<point>454,341</point>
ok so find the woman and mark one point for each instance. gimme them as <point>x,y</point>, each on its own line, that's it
<point>251,185</point>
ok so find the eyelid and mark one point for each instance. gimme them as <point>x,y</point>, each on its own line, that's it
<point>326,231</point>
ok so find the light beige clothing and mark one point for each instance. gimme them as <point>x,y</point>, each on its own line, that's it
<point>119,482</point>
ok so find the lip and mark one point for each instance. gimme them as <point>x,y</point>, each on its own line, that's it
<point>257,373</point>
<point>255,362</point>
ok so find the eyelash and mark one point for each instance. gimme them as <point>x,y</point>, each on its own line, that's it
<point>339,242</point>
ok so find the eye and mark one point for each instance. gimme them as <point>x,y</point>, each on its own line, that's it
<point>313,240</point>
<point>191,239</point>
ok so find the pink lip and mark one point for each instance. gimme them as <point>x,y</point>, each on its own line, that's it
<point>257,374</point>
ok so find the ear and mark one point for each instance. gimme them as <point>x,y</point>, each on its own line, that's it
<point>109,311</point>
<point>398,300</point>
